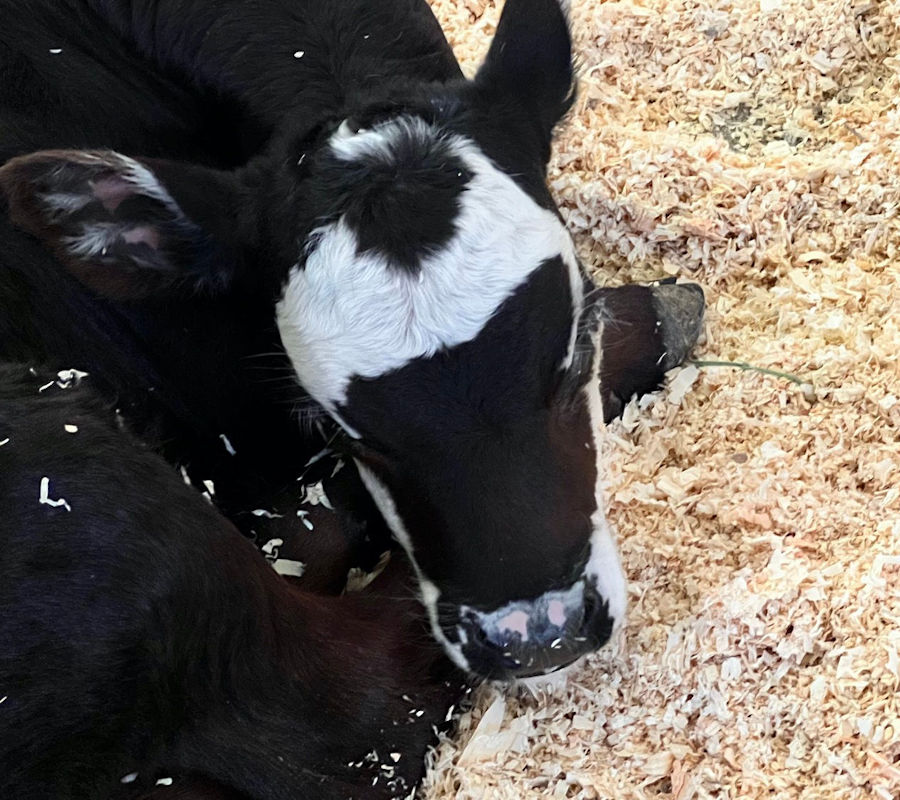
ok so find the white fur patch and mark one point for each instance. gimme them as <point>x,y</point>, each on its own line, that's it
<point>429,592</point>
<point>146,183</point>
<point>95,238</point>
<point>345,314</point>
<point>605,569</point>
<point>577,289</point>
<point>603,564</point>
<point>350,145</point>
<point>60,204</point>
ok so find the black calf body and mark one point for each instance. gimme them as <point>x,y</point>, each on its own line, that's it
<point>141,633</point>
<point>392,228</point>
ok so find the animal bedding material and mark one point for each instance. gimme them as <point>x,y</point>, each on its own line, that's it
<point>752,146</point>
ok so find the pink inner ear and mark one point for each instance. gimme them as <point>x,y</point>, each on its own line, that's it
<point>112,191</point>
<point>143,234</point>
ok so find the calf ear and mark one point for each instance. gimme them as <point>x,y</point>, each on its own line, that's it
<point>116,224</point>
<point>530,61</point>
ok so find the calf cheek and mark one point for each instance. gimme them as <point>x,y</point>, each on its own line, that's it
<point>508,536</point>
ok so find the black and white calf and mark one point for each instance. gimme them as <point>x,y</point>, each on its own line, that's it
<point>141,636</point>
<point>397,228</point>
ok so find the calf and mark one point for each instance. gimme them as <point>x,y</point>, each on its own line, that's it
<point>141,635</point>
<point>397,230</point>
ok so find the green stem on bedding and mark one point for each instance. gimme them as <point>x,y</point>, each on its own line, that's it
<point>744,367</point>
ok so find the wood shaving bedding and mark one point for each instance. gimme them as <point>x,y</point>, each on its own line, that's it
<point>752,146</point>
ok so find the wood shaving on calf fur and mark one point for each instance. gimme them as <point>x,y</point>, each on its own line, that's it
<point>752,146</point>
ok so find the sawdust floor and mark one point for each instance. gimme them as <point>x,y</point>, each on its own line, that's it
<point>751,146</point>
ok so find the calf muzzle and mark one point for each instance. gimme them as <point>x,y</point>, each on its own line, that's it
<point>535,637</point>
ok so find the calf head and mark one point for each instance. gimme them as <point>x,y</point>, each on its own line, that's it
<point>430,300</point>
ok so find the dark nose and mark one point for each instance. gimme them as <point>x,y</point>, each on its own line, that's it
<point>679,311</point>
<point>535,637</point>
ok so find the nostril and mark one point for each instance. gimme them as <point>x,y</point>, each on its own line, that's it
<point>491,653</point>
<point>516,622</point>
<point>556,613</point>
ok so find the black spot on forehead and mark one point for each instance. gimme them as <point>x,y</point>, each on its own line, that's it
<point>401,196</point>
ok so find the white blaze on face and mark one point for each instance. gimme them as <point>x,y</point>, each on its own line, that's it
<point>603,566</point>
<point>429,593</point>
<point>346,314</point>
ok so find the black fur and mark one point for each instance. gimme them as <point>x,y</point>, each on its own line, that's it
<point>183,368</point>
<point>189,312</point>
<point>173,312</point>
<point>140,632</point>
<point>499,420</point>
